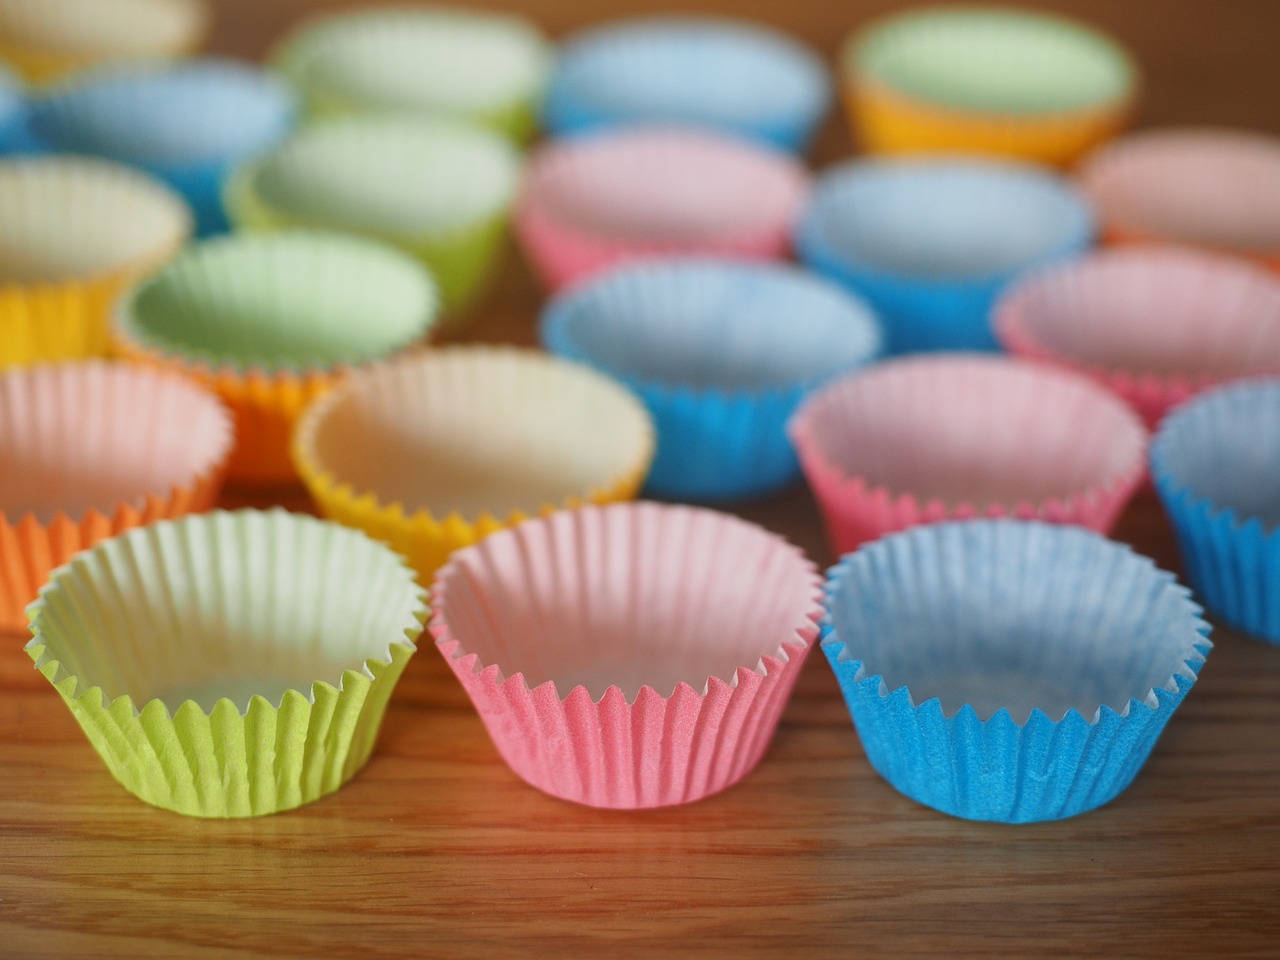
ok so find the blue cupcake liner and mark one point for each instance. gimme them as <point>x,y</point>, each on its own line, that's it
<point>722,353</point>
<point>1009,670</point>
<point>719,73</point>
<point>932,243</point>
<point>187,124</point>
<point>1215,461</point>
<point>14,138</point>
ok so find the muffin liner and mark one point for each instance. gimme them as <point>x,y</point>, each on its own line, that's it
<point>721,352</point>
<point>931,243</point>
<point>232,664</point>
<point>1152,324</point>
<point>13,114</point>
<point>1215,462</point>
<point>485,68</point>
<point>718,73</point>
<point>185,124</point>
<point>630,656</point>
<point>74,233</point>
<point>437,189</point>
<point>268,323</point>
<point>1008,670</point>
<point>989,81</point>
<point>925,439</point>
<point>88,450</point>
<point>1202,187</point>
<point>594,202</point>
<point>430,453</point>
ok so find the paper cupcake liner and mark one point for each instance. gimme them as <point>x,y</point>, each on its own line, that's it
<point>1007,670</point>
<point>13,112</point>
<point>718,73</point>
<point>931,243</point>
<point>1152,324</point>
<point>430,453</point>
<point>1215,462</point>
<point>721,352</point>
<point>925,439</point>
<point>233,664</point>
<point>636,655</point>
<point>437,189</point>
<point>598,201</point>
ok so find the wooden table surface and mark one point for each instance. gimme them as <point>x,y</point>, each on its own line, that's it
<point>437,849</point>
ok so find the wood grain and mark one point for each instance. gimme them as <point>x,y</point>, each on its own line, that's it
<point>437,850</point>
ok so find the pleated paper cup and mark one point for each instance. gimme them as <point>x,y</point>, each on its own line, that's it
<point>90,449</point>
<point>13,114</point>
<point>437,189</point>
<point>718,73</point>
<point>437,61</point>
<point>595,202</point>
<point>73,233</point>
<point>925,439</point>
<point>430,453</point>
<point>1153,324</point>
<point>636,655</point>
<point>231,664</point>
<point>1203,187</point>
<point>1216,465</point>
<point>270,323</point>
<point>996,81</point>
<point>721,352</point>
<point>930,243</point>
<point>48,39</point>
<point>1007,670</point>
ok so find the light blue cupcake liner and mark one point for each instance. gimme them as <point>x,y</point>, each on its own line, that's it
<point>1009,670</point>
<point>722,353</point>
<point>14,138</point>
<point>931,243</point>
<point>1216,465</point>
<point>719,73</point>
<point>187,124</point>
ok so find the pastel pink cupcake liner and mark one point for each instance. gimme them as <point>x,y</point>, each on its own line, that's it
<point>952,436</point>
<point>633,655</point>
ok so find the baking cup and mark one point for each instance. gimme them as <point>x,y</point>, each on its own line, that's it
<point>593,202</point>
<point>1008,670</point>
<point>1153,324</point>
<point>73,233</point>
<point>1203,187</point>
<point>231,664</point>
<point>1216,465</point>
<point>636,655</point>
<point>725,74</point>
<point>721,352</point>
<point>13,114</point>
<point>47,39</point>
<point>931,243</point>
<point>90,449</point>
<point>269,323</point>
<point>997,81</point>
<point>430,453</point>
<point>438,189</point>
<point>186,125</point>
<point>486,68</point>
<point>924,439</point>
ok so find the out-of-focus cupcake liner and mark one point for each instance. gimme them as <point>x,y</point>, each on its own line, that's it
<point>593,202</point>
<point>232,664</point>
<point>432,452</point>
<point>1152,324</point>
<point>1008,670</point>
<point>718,73</point>
<point>13,114</point>
<point>930,243</point>
<point>630,656</point>
<point>925,439</point>
<point>721,352</point>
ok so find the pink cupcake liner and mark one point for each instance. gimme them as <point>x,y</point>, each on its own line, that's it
<point>952,436</point>
<point>1153,324</point>
<point>587,204</point>
<point>628,656</point>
